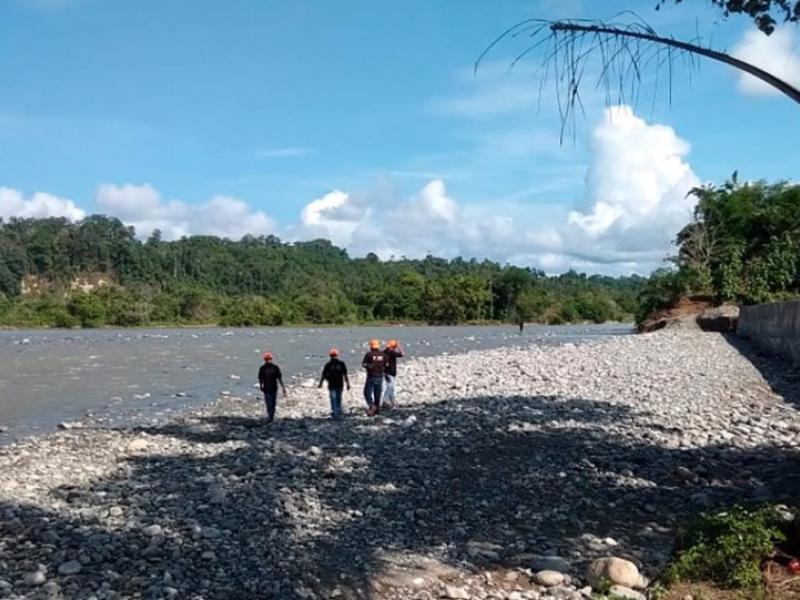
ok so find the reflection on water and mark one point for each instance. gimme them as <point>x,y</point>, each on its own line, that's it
<point>47,377</point>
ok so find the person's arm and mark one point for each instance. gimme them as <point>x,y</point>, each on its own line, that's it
<point>280,380</point>
<point>261,378</point>
<point>324,373</point>
<point>366,361</point>
<point>399,351</point>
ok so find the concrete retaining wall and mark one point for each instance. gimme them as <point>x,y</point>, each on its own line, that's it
<point>773,327</point>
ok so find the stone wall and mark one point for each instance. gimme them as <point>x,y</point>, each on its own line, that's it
<point>773,327</point>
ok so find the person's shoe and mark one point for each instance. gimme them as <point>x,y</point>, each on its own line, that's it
<point>372,411</point>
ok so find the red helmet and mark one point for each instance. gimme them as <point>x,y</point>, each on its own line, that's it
<point>268,356</point>
<point>333,352</point>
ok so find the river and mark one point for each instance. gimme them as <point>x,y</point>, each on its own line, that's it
<point>142,375</point>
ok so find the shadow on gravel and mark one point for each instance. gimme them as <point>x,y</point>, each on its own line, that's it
<point>782,376</point>
<point>312,505</point>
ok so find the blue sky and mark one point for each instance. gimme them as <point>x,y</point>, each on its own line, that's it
<point>226,117</point>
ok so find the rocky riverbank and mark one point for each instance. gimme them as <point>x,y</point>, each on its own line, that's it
<point>502,474</point>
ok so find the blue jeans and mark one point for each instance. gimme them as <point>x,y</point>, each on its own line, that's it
<point>388,393</point>
<point>336,403</point>
<point>372,391</point>
<point>271,400</point>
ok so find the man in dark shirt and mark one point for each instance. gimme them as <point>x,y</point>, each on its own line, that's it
<point>374,362</point>
<point>335,372</point>
<point>391,353</point>
<point>269,376</point>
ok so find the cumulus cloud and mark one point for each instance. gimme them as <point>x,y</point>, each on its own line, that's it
<point>143,207</point>
<point>335,216</point>
<point>776,53</point>
<point>40,205</point>
<point>430,221</point>
<point>635,202</point>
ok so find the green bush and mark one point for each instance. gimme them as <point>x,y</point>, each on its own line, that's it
<point>60,317</point>
<point>727,548</point>
<point>251,311</point>
<point>88,309</point>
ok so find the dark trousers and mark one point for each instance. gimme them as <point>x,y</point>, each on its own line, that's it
<point>372,391</point>
<point>271,400</point>
<point>336,403</point>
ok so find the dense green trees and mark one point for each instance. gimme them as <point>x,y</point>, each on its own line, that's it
<point>259,281</point>
<point>742,246</point>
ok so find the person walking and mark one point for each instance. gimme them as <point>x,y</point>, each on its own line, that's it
<point>335,373</point>
<point>269,376</point>
<point>374,363</point>
<point>391,353</point>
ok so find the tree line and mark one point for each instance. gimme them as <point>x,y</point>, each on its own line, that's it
<point>743,246</point>
<point>262,281</point>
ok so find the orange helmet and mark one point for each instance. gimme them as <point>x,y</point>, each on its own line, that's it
<point>392,344</point>
<point>333,352</point>
<point>268,356</point>
<point>374,344</point>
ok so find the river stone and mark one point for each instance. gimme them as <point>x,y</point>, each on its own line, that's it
<point>35,578</point>
<point>72,567</point>
<point>455,593</point>
<point>549,578</point>
<point>614,571</point>
<point>138,445</point>
<point>625,593</point>
<point>152,530</point>
<point>550,563</point>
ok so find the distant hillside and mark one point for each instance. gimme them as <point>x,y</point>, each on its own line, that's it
<point>54,272</point>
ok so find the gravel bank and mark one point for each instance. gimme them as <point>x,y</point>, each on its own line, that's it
<point>497,465</point>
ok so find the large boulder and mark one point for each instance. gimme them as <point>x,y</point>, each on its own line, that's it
<point>605,572</point>
<point>723,318</point>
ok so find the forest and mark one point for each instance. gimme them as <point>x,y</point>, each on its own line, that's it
<point>261,281</point>
<point>742,246</point>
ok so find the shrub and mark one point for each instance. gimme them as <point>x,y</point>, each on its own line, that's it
<point>60,317</point>
<point>727,548</point>
<point>88,309</point>
<point>250,311</point>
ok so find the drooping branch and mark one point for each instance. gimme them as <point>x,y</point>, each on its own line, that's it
<point>757,72</point>
<point>626,54</point>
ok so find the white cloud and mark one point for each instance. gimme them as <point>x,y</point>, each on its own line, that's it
<point>335,216</point>
<point>40,205</point>
<point>492,91</point>
<point>48,4</point>
<point>638,176</point>
<point>776,53</point>
<point>143,207</point>
<point>290,152</point>
<point>635,202</point>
